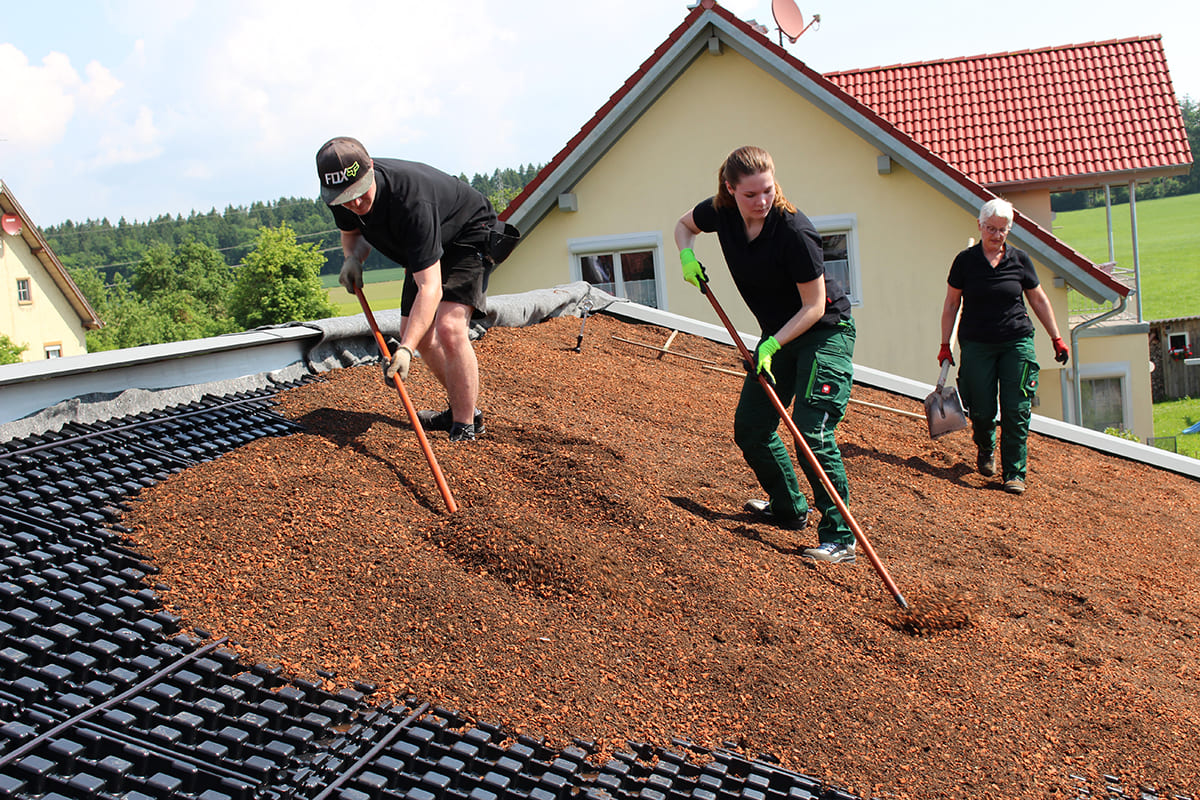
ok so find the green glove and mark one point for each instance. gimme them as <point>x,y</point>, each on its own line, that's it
<point>766,349</point>
<point>693,270</point>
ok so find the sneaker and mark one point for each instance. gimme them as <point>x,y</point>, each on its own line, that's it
<point>1014,486</point>
<point>763,509</point>
<point>986,463</point>
<point>832,552</point>
<point>462,432</point>
<point>444,421</point>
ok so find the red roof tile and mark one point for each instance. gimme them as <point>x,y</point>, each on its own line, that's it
<point>1036,115</point>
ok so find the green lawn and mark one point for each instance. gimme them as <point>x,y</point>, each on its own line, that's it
<point>1168,244</point>
<point>1172,417</point>
<point>381,287</point>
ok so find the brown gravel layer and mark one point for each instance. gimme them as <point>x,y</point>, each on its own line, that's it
<point>601,581</point>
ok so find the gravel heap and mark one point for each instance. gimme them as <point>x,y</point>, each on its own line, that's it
<point>600,580</point>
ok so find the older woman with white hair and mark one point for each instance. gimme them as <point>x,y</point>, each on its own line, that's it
<point>991,281</point>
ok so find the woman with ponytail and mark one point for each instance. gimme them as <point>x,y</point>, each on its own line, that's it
<point>775,258</point>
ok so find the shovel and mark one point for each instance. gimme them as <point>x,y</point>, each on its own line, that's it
<point>943,407</point>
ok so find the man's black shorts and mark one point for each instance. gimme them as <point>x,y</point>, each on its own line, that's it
<point>465,276</point>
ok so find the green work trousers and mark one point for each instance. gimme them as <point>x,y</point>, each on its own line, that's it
<point>817,372</point>
<point>1000,376</point>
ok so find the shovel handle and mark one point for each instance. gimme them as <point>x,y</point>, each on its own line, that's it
<point>945,372</point>
<point>438,477</point>
<point>803,447</point>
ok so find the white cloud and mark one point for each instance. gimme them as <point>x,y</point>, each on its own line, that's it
<point>392,74</point>
<point>38,101</point>
<point>101,86</point>
<point>122,145</point>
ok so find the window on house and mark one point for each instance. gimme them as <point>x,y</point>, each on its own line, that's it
<point>1179,345</point>
<point>23,291</point>
<point>54,351</point>
<point>1103,403</point>
<point>839,241</point>
<point>628,266</point>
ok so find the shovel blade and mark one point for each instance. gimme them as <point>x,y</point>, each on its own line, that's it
<point>944,412</point>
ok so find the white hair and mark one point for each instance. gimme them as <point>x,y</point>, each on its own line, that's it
<point>996,208</point>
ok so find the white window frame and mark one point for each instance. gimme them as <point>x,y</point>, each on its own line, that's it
<point>24,286</point>
<point>1111,369</point>
<point>847,224</point>
<point>614,245</point>
<point>53,351</point>
<point>1187,341</point>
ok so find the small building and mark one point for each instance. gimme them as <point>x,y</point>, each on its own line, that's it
<point>1175,354</point>
<point>42,308</point>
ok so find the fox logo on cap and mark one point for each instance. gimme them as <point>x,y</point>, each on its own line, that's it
<point>335,178</point>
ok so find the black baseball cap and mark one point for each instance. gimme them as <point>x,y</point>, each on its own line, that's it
<point>344,169</point>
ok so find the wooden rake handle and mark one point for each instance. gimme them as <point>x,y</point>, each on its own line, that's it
<point>803,447</point>
<point>443,487</point>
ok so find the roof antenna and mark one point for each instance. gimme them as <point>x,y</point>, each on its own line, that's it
<point>790,21</point>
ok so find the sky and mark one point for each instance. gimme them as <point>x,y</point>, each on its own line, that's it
<point>138,108</point>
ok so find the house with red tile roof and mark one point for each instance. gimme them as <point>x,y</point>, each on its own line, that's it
<point>892,165</point>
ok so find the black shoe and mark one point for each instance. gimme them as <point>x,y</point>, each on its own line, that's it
<point>986,462</point>
<point>444,420</point>
<point>462,432</point>
<point>763,509</point>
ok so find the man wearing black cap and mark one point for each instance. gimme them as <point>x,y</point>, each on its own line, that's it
<point>437,227</point>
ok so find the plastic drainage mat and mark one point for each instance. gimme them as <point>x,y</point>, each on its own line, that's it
<point>103,696</point>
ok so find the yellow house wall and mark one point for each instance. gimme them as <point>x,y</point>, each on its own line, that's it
<point>48,319</point>
<point>1111,355</point>
<point>907,232</point>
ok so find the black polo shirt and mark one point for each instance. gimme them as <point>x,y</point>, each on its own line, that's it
<point>417,209</point>
<point>993,301</point>
<point>787,251</point>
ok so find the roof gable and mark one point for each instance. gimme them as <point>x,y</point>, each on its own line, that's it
<point>1058,117</point>
<point>58,273</point>
<point>709,26</point>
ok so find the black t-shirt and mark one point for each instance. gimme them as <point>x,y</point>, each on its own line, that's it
<point>417,210</point>
<point>993,301</point>
<point>787,251</point>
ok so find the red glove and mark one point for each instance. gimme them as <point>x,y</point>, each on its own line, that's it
<point>944,354</point>
<point>1061,351</point>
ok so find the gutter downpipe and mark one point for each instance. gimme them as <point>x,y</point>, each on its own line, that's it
<point>1112,257</point>
<point>1077,409</point>
<point>1137,261</point>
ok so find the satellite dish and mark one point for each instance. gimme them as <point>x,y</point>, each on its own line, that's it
<point>11,224</point>
<point>790,20</point>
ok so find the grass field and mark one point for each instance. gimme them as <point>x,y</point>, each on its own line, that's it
<point>1172,417</point>
<point>1168,245</point>
<point>381,287</point>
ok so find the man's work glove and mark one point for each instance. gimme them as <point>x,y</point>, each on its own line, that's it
<point>398,366</point>
<point>693,270</point>
<point>351,274</point>
<point>945,355</point>
<point>767,348</point>
<point>1061,351</point>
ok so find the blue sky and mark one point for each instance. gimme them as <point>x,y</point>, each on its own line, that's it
<point>137,108</point>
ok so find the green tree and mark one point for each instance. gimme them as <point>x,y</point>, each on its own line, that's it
<point>10,351</point>
<point>279,281</point>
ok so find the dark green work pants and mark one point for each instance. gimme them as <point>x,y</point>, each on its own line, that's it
<point>1003,374</point>
<point>816,370</point>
